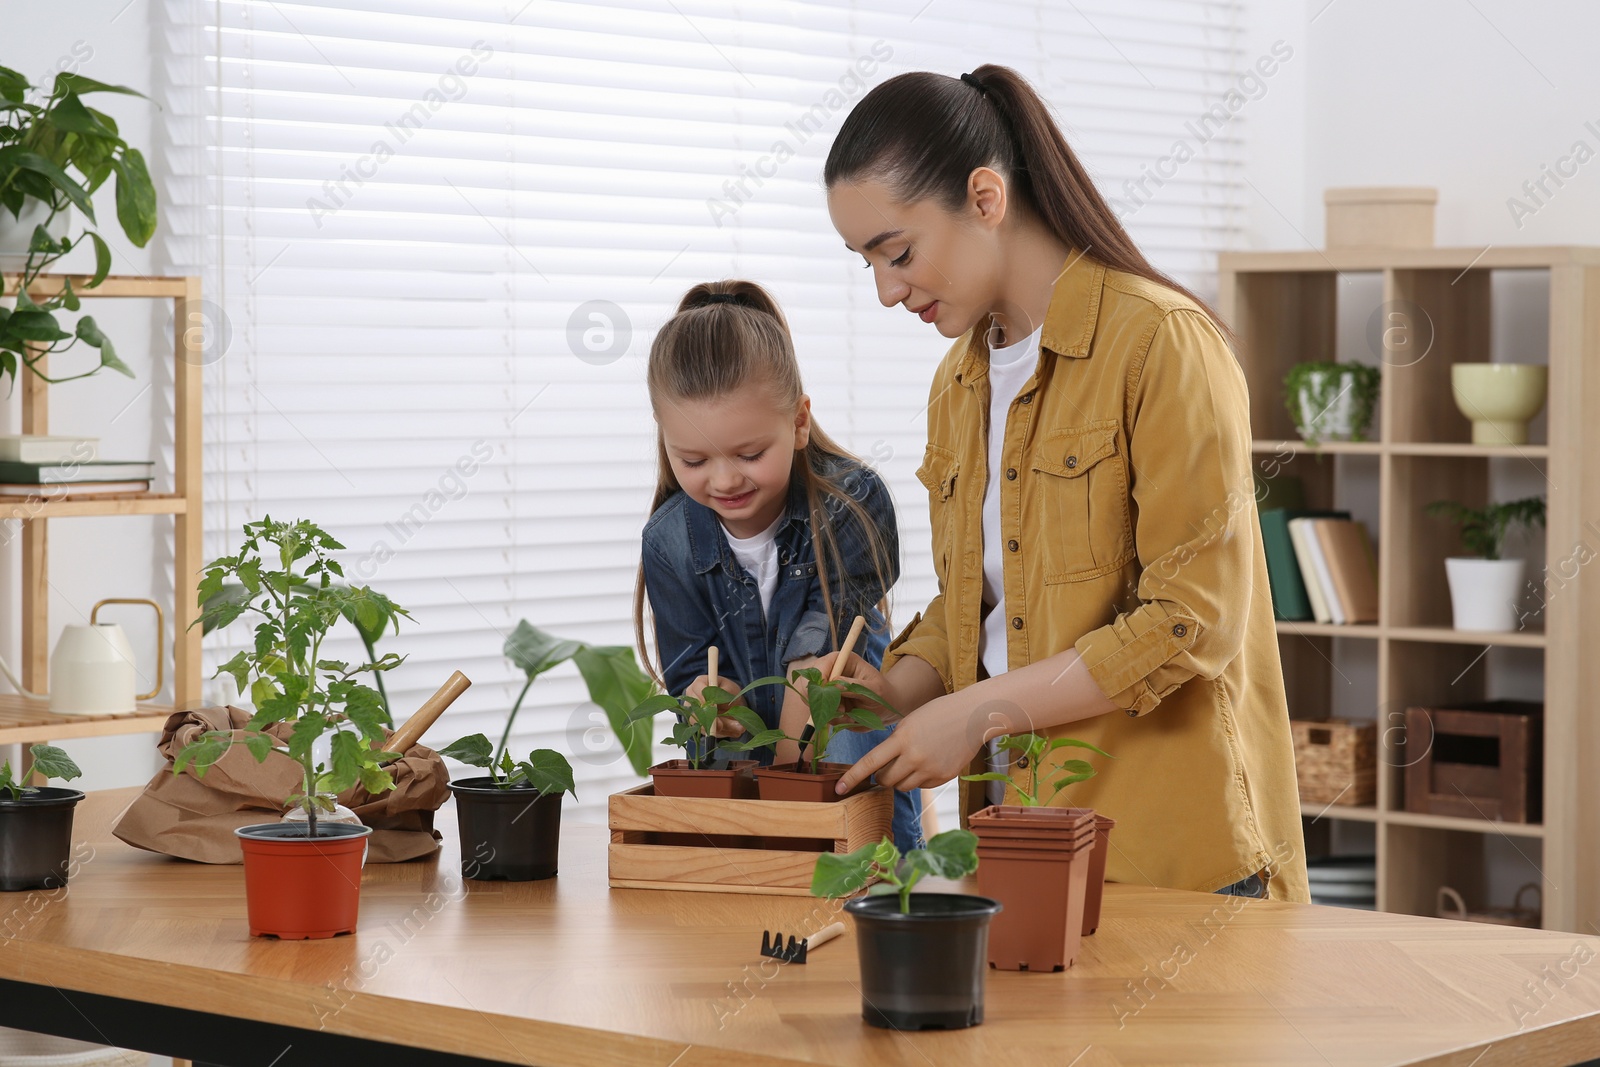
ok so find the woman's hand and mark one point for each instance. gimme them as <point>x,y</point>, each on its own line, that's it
<point>724,726</point>
<point>927,749</point>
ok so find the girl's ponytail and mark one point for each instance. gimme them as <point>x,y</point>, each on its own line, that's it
<point>923,135</point>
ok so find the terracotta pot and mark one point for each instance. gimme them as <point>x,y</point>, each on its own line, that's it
<point>299,887</point>
<point>1036,862</point>
<point>786,783</point>
<point>36,838</point>
<point>923,970</point>
<point>507,834</point>
<point>678,778</point>
<point>1096,887</point>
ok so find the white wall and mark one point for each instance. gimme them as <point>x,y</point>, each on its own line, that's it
<point>96,558</point>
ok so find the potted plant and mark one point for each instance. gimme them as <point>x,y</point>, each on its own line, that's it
<point>510,820</point>
<point>808,779</point>
<point>302,878</point>
<point>1040,860</point>
<point>707,768</point>
<point>922,954</point>
<point>1332,401</point>
<point>1485,589</point>
<point>55,153</point>
<point>36,823</point>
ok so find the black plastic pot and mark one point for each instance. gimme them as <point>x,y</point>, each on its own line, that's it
<point>507,835</point>
<point>36,838</point>
<point>923,970</point>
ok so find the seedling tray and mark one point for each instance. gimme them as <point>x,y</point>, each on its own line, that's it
<point>710,845</point>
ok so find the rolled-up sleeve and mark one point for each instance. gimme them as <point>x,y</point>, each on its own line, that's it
<point>1189,453</point>
<point>861,586</point>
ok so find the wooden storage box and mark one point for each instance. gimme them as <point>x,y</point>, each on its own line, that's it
<point>735,846</point>
<point>1336,761</point>
<point>1483,760</point>
<point>1379,216</point>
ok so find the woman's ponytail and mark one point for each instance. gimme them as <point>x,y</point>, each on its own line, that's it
<point>923,135</point>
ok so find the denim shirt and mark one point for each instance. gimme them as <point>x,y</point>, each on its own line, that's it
<point>701,596</point>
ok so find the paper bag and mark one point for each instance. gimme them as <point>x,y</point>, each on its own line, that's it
<point>193,818</point>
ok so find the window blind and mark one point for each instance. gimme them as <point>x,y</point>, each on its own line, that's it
<point>436,240</point>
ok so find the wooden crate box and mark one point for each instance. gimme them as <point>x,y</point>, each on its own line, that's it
<point>1336,761</point>
<point>735,846</point>
<point>1483,760</point>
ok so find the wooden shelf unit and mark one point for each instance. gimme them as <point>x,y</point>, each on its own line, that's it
<point>1284,308</point>
<point>27,721</point>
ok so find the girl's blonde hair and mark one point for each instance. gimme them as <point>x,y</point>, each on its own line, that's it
<point>724,336</point>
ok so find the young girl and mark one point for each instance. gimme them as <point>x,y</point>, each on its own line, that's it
<point>765,538</point>
<point>1089,472</point>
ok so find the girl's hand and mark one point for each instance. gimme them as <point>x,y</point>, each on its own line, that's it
<point>724,726</point>
<point>861,672</point>
<point>927,749</point>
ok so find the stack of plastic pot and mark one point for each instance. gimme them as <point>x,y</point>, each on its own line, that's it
<point>1042,864</point>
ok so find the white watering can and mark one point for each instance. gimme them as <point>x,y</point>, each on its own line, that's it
<point>92,670</point>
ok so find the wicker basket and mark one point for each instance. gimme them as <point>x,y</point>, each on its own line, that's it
<point>1336,761</point>
<point>1452,906</point>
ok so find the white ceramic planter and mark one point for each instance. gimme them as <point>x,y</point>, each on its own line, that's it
<point>1332,423</point>
<point>1484,593</point>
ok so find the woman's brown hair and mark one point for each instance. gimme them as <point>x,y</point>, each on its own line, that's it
<point>726,335</point>
<point>923,135</point>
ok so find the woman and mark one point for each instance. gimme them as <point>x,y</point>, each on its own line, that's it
<point>1089,476</point>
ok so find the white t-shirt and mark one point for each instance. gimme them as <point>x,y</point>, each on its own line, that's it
<point>759,556</point>
<point>1009,368</point>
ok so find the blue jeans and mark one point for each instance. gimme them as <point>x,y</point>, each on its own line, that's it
<point>848,746</point>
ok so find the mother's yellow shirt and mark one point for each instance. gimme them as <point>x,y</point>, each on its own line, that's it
<point>1129,529</point>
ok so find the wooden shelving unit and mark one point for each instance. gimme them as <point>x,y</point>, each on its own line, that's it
<point>1284,307</point>
<point>27,721</point>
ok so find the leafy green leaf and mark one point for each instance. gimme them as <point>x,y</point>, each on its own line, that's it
<point>69,114</point>
<point>1069,742</point>
<point>952,854</point>
<point>52,762</point>
<point>69,82</point>
<point>652,706</point>
<point>202,752</point>
<point>260,746</point>
<point>617,684</point>
<point>987,776</point>
<point>535,651</point>
<point>347,758</point>
<point>746,718</point>
<point>89,333</point>
<point>15,157</point>
<point>37,326</point>
<point>547,771</point>
<point>839,875</point>
<point>475,750</point>
<point>102,259</point>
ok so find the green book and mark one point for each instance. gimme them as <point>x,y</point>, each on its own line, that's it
<point>100,470</point>
<point>1289,600</point>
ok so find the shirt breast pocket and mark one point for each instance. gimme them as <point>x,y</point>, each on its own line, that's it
<point>1081,492</point>
<point>938,475</point>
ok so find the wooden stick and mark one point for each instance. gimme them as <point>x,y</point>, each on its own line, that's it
<point>711,665</point>
<point>824,935</point>
<point>413,728</point>
<point>844,649</point>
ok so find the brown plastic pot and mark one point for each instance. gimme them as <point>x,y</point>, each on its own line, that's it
<point>678,778</point>
<point>298,887</point>
<point>786,783</point>
<point>1095,890</point>
<point>1036,862</point>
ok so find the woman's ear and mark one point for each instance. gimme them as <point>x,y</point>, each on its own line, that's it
<point>802,423</point>
<point>986,196</point>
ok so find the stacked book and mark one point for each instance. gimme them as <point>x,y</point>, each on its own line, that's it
<point>1321,566</point>
<point>38,466</point>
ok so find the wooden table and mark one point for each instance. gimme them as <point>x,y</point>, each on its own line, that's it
<point>567,971</point>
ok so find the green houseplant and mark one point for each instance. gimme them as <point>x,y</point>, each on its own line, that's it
<point>707,768</point>
<point>36,823</point>
<point>1045,863</point>
<point>497,842</point>
<point>56,152</point>
<point>1485,590</point>
<point>923,955</point>
<point>1332,401</point>
<point>302,879</point>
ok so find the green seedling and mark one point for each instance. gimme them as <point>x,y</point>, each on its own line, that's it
<point>49,761</point>
<point>952,854</point>
<point>696,717</point>
<point>823,700</point>
<point>1031,750</point>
